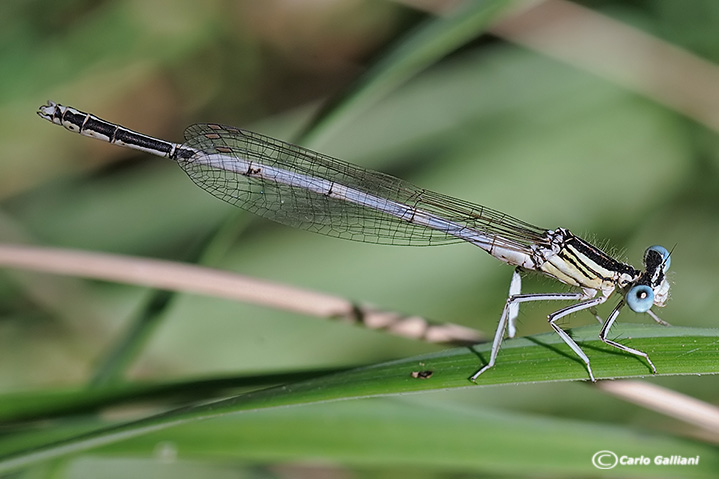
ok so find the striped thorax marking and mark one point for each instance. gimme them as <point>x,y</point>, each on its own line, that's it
<point>578,263</point>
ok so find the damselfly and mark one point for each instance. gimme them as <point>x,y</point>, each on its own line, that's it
<point>305,189</point>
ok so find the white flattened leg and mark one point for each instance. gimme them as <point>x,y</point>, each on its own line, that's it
<point>498,336</point>
<point>504,319</point>
<point>657,318</point>
<point>590,293</point>
<point>588,304</point>
<point>605,330</point>
<point>515,289</point>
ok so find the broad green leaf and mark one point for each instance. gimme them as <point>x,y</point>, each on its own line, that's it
<point>532,359</point>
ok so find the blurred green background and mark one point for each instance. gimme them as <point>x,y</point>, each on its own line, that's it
<point>492,122</point>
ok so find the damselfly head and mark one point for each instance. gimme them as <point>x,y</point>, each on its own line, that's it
<point>657,256</point>
<point>652,288</point>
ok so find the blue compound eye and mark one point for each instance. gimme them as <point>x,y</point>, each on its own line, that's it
<point>640,298</point>
<point>663,252</point>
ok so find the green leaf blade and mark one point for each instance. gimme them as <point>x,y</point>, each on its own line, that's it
<point>539,358</point>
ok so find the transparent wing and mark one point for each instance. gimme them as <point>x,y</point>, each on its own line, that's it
<point>301,208</point>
